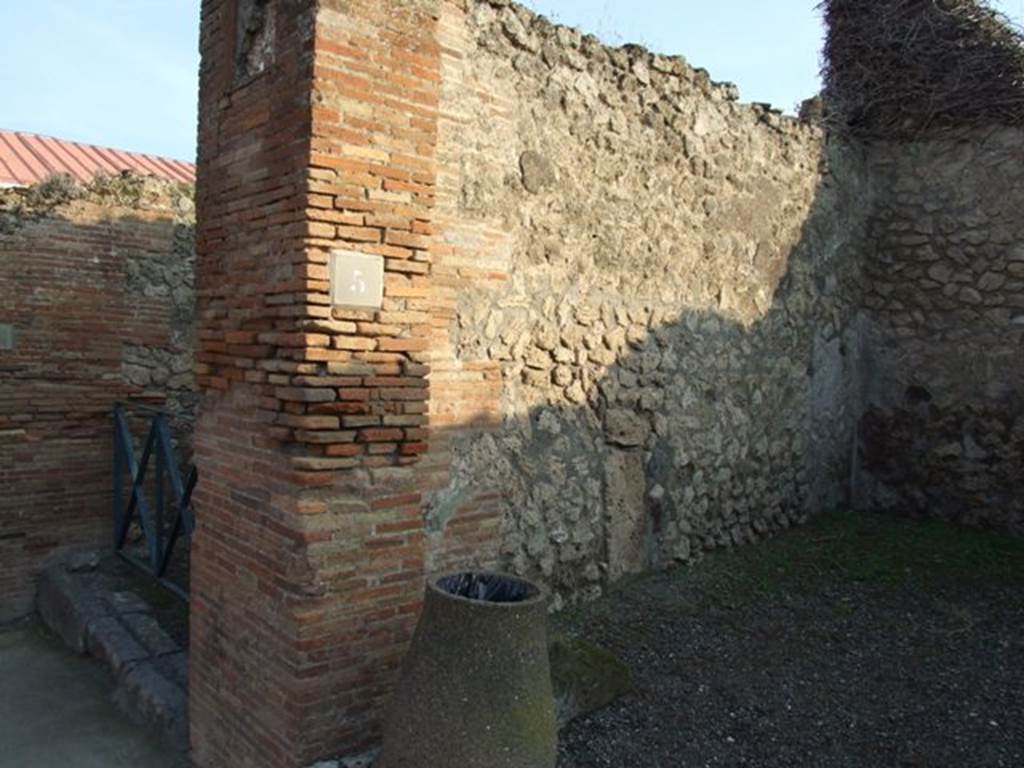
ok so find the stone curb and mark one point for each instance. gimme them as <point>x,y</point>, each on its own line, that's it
<point>150,670</point>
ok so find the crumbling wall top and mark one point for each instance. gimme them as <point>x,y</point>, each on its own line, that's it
<point>638,67</point>
<point>126,190</point>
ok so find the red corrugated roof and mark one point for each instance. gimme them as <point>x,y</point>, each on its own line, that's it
<point>26,158</point>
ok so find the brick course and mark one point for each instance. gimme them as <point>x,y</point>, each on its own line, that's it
<point>82,282</point>
<point>309,557</point>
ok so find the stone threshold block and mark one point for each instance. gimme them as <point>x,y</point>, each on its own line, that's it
<point>94,615</point>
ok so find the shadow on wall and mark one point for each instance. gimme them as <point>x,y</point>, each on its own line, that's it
<point>637,432</point>
<point>96,284</point>
<point>943,431</point>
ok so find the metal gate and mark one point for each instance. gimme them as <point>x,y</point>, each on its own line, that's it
<point>169,517</point>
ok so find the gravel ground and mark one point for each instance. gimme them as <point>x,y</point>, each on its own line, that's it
<point>854,641</point>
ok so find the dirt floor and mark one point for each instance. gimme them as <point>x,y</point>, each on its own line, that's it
<point>855,641</point>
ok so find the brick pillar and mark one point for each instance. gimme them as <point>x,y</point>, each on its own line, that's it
<point>318,125</point>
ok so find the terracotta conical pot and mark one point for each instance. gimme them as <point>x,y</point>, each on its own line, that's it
<point>475,690</point>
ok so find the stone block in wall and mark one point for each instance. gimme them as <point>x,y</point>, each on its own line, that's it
<point>628,429</point>
<point>626,523</point>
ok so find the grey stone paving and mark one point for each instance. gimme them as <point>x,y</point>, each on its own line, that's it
<point>56,710</point>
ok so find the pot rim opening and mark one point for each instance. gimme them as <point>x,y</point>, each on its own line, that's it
<point>487,588</point>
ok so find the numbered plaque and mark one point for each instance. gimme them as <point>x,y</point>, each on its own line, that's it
<point>6,338</point>
<point>357,280</point>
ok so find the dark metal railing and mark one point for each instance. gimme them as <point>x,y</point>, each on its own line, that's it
<point>168,519</point>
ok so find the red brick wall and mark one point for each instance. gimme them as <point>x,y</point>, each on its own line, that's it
<point>65,287</point>
<point>247,556</point>
<point>465,396</point>
<point>313,541</point>
<point>308,561</point>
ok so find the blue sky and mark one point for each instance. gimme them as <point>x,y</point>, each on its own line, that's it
<point>122,73</point>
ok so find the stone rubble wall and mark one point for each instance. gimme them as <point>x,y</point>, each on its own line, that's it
<point>651,291</point>
<point>943,430</point>
<point>97,283</point>
<point>621,324</point>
